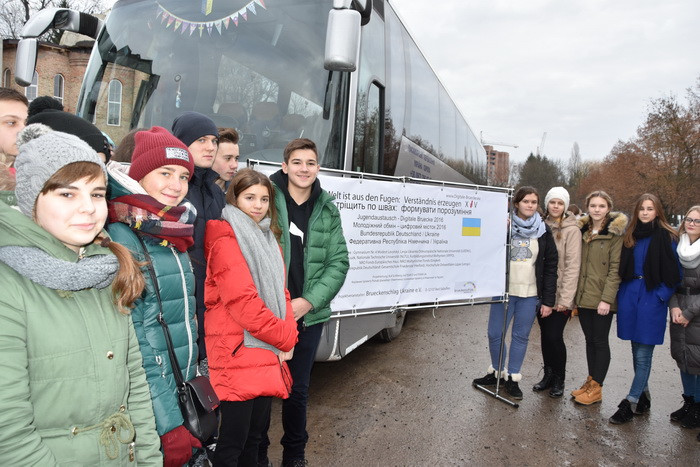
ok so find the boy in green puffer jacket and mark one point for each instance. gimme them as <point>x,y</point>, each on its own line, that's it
<point>316,258</point>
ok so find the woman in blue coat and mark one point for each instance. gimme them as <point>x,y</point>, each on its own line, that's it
<point>151,217</point>
<point>650,272</point>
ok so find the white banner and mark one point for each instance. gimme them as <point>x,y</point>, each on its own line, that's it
<point>412,243</point>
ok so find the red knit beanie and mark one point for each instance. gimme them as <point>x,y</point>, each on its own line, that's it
<point>155,148</point>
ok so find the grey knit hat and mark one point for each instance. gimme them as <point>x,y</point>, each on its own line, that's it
<point>42,153</point>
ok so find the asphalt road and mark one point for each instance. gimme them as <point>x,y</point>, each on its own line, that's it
<point>410,402</point>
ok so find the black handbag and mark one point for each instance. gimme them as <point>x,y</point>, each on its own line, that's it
<point>196,397</point>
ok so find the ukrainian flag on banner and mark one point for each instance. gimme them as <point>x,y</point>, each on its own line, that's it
<point>471,227</point>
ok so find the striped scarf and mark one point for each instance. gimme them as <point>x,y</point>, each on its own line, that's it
<point>172,224</point>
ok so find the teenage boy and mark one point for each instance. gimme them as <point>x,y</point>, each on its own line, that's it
<point>13,117</point>
<point>316,258</point>
<point>226,162</point>
<point>199,133</point>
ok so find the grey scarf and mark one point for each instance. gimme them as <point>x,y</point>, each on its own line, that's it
<point>532,227</point>
<point>96,271</point>
<point>262,254</point>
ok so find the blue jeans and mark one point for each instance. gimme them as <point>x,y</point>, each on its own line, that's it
<point>522,312</point>
<point>691,385</point>
<point>294,409</point>
<point>641,358</point>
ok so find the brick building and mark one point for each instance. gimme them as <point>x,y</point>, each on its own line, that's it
<point>497,166</point>
<point>59,73</point>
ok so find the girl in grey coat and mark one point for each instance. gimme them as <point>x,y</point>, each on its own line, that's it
<point>685,320</point>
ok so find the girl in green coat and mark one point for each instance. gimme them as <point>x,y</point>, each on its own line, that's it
<point>74,390</point>
<point>149,215</point>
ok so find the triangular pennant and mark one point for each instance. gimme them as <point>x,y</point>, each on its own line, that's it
<point>245,15</point>
<point>201,29</point>
<point>192,28</point>
<point>160,12</point>
<point>209,28</point>
<point>251,7</point>
<point>227,20</point>
<point>235,19</point>
<point>218,26</point>
<point>185,27</point>
<point>261,3</point>
<point>164,17</point>
<point>170,21</point>
<point>177,25</point>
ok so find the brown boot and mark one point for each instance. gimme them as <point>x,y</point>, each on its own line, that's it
<point>583,388</point>
<point>593,394</point>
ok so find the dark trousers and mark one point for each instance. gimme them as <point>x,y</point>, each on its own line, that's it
<point>294,408</point>
<point>242,425</point>
<point>596,329</point>
<point>552,339</point>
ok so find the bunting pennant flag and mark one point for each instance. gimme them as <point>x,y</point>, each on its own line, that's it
<point>220,24</point>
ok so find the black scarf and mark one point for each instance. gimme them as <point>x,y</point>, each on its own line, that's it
<point>660,263</point>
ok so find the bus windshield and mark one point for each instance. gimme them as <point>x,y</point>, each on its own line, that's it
<point>253,65</point>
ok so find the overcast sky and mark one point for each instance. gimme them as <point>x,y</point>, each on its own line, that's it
<point>580,70</point>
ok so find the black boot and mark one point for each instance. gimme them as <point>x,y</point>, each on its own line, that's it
<point>678,415</point>
<point>692,418</point>
<point>624,413</point>
<point>513,389</point>
<point>644,404</point>
<point>557,389</point>
<point>546,382</point>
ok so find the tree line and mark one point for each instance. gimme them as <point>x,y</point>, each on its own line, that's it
<point>662,158</point>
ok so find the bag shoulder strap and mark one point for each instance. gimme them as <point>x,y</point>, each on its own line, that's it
<point>179,380</point>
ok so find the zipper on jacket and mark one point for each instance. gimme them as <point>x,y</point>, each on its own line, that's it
<point>187,312</point>
<point>236,349</point>
<point>131,452</point>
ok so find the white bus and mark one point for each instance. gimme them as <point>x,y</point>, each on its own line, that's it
<point>344,73</point>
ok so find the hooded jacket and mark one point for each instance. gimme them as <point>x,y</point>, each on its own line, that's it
<point>173,272</point>
<point>70,366</point>
<point>237,372</point>
<point>685,341</point>
<point>326,260</point>
<point>567,237</point>
<point>600,261</point>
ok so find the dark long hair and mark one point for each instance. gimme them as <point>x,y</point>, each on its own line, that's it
<point>244,179</point>
<point>660,218</point>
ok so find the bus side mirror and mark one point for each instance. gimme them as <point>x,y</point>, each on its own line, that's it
<point>25,61</point>
<point>342,40</point>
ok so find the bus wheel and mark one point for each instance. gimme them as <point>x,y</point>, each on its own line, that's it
<point>389,334</point>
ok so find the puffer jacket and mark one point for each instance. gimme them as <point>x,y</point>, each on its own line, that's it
<point>567,237</point>
<point>600,262</point>
<point>326,260</point>
<point>173,272</point>
<point>685,341</point>
<point>70,366</point>
<point>239,373</point>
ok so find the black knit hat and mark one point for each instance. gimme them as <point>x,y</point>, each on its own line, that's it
<point>190,126</point>
<point>73,125</point>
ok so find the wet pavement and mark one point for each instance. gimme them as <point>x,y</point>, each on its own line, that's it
<point>410,402</point>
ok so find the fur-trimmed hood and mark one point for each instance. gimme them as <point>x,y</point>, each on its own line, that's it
<point>615,225</point>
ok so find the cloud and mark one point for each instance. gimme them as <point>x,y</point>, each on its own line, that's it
<point>580,70</point>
